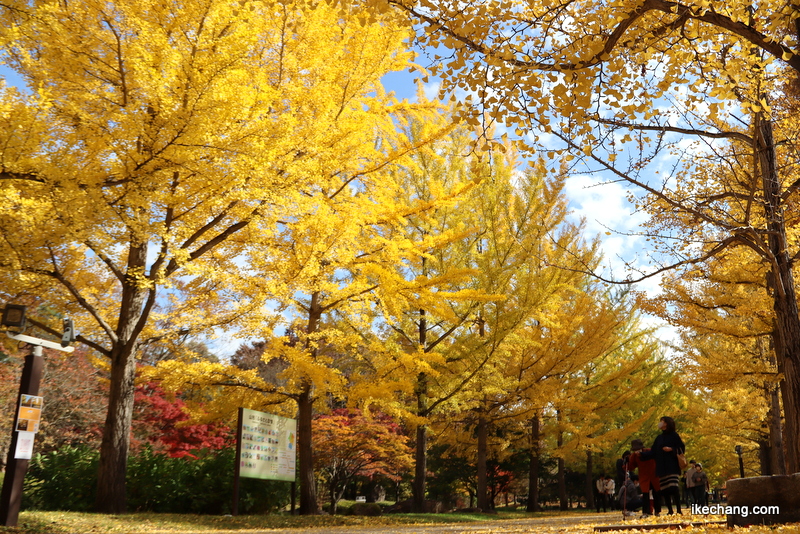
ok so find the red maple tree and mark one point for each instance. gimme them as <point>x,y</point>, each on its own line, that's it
<point>161,420</point>
<point>347,444</point>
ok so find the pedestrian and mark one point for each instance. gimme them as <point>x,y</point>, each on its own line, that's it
<point>648,481</point>
<point>689,484</point>
<point>701,486</point>
<point>600,486</point>
<point>665,450</point>
<point>610,492</point>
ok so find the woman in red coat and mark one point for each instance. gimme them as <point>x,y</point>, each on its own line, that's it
<point>648,480</point>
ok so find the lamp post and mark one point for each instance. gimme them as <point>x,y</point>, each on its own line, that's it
<point>17,462</point>
<point>741,462</point>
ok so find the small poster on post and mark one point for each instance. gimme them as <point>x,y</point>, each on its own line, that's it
<point>30,413</point>
<point>24,449</point>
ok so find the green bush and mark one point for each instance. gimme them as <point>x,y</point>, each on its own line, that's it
<point>159,483</point>
<point>66,480</point>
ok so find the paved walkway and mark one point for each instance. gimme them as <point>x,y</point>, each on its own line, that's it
<point>583,524</point>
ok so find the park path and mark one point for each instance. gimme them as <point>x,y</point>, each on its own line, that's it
<point>569,524</point>
<point>582,524</point>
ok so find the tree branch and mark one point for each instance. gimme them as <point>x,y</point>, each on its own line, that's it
<point>99,348</point>
<point>25,176</point>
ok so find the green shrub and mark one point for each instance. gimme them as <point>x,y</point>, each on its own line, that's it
<point>159,483</point>
<point>67,479</point>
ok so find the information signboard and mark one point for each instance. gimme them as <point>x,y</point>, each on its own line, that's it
<point>268,446</point>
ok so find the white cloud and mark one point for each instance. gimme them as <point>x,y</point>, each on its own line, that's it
<point>607,213</point>
<point>605,208</point>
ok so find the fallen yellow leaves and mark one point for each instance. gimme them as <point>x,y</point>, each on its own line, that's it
<point>63,522</point>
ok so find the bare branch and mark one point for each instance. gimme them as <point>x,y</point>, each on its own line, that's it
<point>673,129</point>
<point>105,259</point>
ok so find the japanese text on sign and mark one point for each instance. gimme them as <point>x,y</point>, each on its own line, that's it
<point>268,446</point>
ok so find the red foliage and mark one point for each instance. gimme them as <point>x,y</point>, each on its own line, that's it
<point>161,422</point>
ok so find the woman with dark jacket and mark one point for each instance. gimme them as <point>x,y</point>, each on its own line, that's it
<point>664,451</point>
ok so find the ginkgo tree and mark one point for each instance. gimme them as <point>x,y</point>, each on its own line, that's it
<point>616,84</point>
<point>151,134</point>
<point>512,230</point>
<point>523,234</point>
<point>724,318</point>
<point>316,273</point>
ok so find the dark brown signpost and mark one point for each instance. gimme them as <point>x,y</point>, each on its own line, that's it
<point>17,464</point>
<point>11,496</point>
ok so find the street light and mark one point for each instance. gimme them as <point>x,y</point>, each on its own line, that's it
<point>14,316</point>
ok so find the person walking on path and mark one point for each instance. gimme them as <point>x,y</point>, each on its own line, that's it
<point>690,484</point>
<point>701,486</point>
<point>648,481</point>
<point>664,451</point>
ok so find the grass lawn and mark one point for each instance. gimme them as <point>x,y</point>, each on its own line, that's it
<point>74,522</point>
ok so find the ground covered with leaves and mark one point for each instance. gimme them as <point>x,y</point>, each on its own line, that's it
<point>504,523</point>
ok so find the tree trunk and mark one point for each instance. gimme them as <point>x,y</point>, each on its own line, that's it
<point>775,460</point>
<point>778,459</point>
<point>420,470</point>
<point>533,472</point>
<point>483,435</point>
<point>589,480</point>
<point>562,485</point>
<point>781,283</point>
<point>764,458</point>
<point>421,451</point>
<point>111,497</point>
<point>305,453</point>
<point>305,415</point>
<point>786,313</point>
<point>562,474</point>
